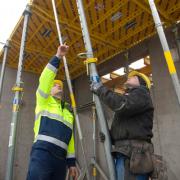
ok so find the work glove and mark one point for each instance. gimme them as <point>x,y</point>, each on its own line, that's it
<point>102,137</point>
<point>95,86</point>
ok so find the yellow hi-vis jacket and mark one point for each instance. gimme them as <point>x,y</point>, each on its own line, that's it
<point>53,125</point>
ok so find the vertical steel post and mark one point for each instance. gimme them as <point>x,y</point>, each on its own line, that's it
<point>71,92</point>
<point>167,53</point>
<point>95,77</point>
<point>6,47</point>
<point>127,63</point>
<point>16,101</point>
<point>94,140</point>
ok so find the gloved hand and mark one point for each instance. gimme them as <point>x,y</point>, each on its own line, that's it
<point>102,136</point>
<point>95,86</point>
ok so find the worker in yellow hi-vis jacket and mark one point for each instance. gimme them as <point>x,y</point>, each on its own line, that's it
<point>53,148</point>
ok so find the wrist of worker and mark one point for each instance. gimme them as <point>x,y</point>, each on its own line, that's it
<point>71,162</point>
<point>59,56</point>
<point>55,61</point>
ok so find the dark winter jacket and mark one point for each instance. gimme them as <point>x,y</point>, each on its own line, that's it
<point>133,117</point>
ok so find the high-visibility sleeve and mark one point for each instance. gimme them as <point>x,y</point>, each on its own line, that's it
<point>71,153</point>
<point>46,80</point>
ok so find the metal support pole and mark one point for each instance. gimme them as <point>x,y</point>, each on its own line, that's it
<point>71,91</point>
<point>167,53</point>
<point>94,140</point>
<point>177,38</point>
<point>127,63</point>
<point>3,67</point>
<point>95,77</point>
<point>16,101</point>
<point>99,169</point>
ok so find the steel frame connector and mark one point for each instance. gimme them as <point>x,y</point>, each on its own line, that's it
<point>71,91</point>
<point>16,101</point>
<point>95,77</point>
<point>167,53</point>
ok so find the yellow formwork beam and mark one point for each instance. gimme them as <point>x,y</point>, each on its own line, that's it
<point>85,8</point>
<point>45,48</point>
<point>111,40</point>
<point>31,38</point>
<point>95,37</point>
<point>147,9</point>
<point>174,8</point>
<point>126,38</point>
<point>123,22</point>
<point>108,14</point>
<point>30,49</point>
<point>72,27</point>
<point>120,48</point>
<point>103,18</point>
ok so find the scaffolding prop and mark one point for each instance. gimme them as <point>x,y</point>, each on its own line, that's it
<point>91,67</point>
<point>126,55</point>
<point>71,92</point>
<point>16,102</point>
<point>167,53</point>
<point>6,47</point>
<point>95,165</point>
<point>94,171</point>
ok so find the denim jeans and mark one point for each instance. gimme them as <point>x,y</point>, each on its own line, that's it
<point>120,170</point>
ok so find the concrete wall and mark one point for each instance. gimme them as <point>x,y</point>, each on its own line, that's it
<point>25,125</point>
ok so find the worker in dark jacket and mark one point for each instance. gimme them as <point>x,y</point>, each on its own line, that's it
<point>131,130</point>
<point>53,147</point>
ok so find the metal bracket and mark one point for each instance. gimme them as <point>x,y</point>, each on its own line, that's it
<point>87,61</point>
<point>83,55</point>
<point>17,88</point>
<point>90,60</point>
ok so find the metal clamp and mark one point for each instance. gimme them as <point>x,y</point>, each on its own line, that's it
<point>17,88</point>
<point>84,55</point>
<point>88,61</point>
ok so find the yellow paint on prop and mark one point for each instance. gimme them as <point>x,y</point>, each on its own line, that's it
<point>94,172</point>
<point>90,60</point>
<point>15,108</point>
<point>73,100</point>
<point>170,62</point>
